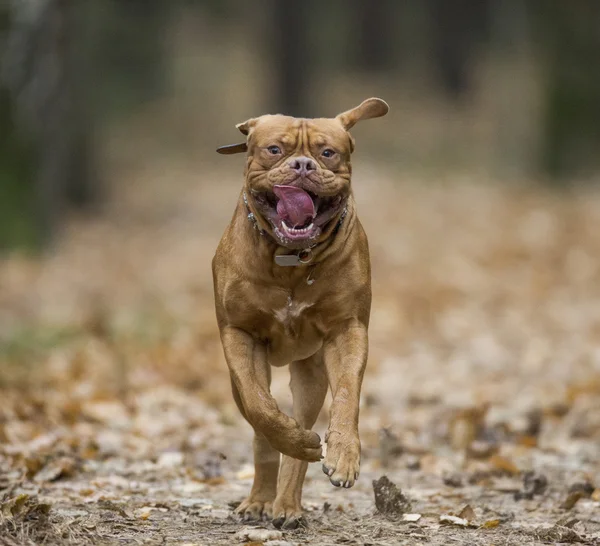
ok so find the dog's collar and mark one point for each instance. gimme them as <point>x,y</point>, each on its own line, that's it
<point>302,257</point>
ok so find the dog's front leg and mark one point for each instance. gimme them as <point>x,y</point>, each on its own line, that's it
<point>248,366</point>
<point>345,360</point>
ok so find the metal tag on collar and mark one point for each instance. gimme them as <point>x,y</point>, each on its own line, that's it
<point>290,260</point>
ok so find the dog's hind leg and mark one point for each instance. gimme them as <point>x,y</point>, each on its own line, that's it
<point>259,504</point>
<point>308,383</point>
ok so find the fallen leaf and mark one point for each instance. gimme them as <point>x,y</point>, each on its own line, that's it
<point>453,520</point>
<point>481,450</point>
<point>527,441</point>
<point>411,517</point>
<point>258,535</point>
<point>33,465</point>
<point>533,484</point>
<point>389,499</point>
<point>503,464</point>
<point>596,495</point>
<point>113,507</point>
<point>60,468</point>
<point>491,523</point>
<point>452,479</point>
<point>467,513</point>
<point>12,507</point>
<point>144,512</point>
<point>24,507</point>
<point>465,425</point>
<point>587,488</point>
<point>572,499</point>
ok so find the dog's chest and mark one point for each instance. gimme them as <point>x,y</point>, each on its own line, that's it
<point>291,311</point>
<point>294,333</point>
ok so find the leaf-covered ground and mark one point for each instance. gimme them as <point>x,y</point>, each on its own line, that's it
<point>481,404</point>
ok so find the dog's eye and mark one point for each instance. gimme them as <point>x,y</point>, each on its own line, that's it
<point>274,150</point>
<point>328,153</point>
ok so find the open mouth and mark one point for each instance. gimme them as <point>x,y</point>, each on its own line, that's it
<point>298,216</point>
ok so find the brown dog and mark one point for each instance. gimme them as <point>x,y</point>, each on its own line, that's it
<point>293,286</point>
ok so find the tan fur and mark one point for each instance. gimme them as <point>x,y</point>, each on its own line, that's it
<point>269,315</point>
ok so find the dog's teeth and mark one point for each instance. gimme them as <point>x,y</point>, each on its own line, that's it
<point>294,230</point>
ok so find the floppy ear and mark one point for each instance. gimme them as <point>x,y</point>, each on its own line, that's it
<point>246,126</point>
<point>243,128</point>
<point>370,108</point>
<point>233,148</point>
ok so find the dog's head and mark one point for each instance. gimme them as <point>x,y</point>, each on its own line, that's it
<point>298,171</point>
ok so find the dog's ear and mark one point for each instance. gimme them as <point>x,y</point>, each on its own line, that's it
<point>370,108</point>
<point>233,148</point>
<point>243,128</point>
<point>246,126</point>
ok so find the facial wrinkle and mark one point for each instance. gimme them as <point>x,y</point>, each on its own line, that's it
<point>304,140</point>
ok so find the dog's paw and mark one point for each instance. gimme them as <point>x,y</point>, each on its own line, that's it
<point>298,443</point>
<point>342,462</point>
<point>255,510</point>
<point>288,515</point>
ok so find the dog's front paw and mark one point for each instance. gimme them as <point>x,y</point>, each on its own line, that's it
<point>287,514</point>
<point>253,509</point>
<point>298,443</point>
<point>342,462</point>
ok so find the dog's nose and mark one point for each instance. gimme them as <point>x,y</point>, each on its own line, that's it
<point>302,165</point>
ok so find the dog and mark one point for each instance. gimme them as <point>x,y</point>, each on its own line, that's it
<point>292,284</point>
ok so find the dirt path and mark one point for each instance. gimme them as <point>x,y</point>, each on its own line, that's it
<point>116,421</point>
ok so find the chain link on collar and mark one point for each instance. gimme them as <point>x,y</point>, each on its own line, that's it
<point>251,216</point>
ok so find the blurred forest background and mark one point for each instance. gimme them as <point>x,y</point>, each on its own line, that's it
<point>509,87</point>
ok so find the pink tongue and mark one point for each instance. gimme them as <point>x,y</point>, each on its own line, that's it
<point>295,206</point>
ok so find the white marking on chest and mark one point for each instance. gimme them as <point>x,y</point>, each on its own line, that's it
<point>292,310</point>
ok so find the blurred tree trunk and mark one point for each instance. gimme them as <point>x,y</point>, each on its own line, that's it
<point>570,34</point>
<point>457,27</point>
<point>374,22</point>
<point>290,49</point>
<point>131,49</point>
<point>47,109</point>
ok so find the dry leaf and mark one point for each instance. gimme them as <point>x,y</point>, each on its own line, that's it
<point>465,425</point>
<point>454,520</point>
<point>572,499</point>
<point>144,512</point>
<point>389,499</point>
<point>12,507</point>
<point>452,479</point>
<point>23,507</point>
<point>491,524</point>
<point>258,535</point>
<point>482,450</point>
<point>467,513</point>
<point>527,441</point>
<point>411,517</point>
<point>533,484</point>
<point>503,464</point>
<point>60,468</point>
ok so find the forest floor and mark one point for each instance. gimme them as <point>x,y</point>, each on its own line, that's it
<point>481,402</point>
